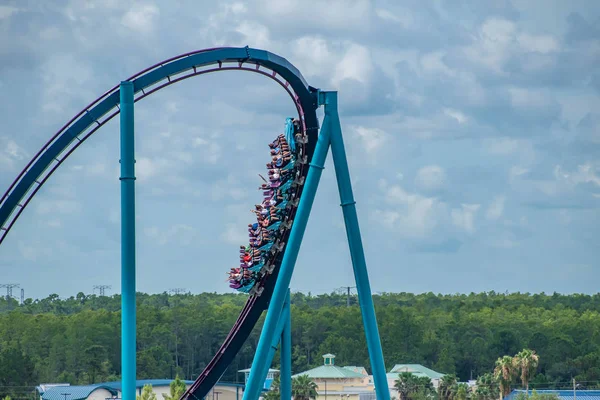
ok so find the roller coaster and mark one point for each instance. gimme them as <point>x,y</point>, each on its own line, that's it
<point>271,256</point>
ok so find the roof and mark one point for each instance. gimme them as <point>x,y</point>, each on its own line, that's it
<point>330,372</point>
<point>248,370</point>
<point>142,382</point>
<point>360,370</point>
<point>415,369</point>
<point>562,394</point>
<point>73,392</point>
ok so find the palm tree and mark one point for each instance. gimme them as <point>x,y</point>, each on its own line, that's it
<point>504,374</point>
<point>526,361</point>
<point>273,393</point>
<point>447,387</point>
<point>303,388</point>
<point>487,387</point>
<point>462,391</point>
<point>406,384</point>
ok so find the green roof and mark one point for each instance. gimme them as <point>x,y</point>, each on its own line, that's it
<point>330,372</point>
<point>360,370</point>
<point>415,369</point>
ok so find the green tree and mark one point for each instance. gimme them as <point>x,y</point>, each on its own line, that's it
<point>526,362</point>
<point>176,389</point>
<point>504,374</point>
<point>273,393</point>
<point>147,393</point>
<point>304,388</point>
<point>447,387</point>
<point>486,387</point>
<point>462,391</point>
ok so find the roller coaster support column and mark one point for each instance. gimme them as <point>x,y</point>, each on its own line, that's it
<point>356,248</point>
<point>128,328</point>
<point>285,376</point>
<point>269,330</point>
<point>283,322</point>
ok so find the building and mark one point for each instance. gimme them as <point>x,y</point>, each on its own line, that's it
<point>415,369</point>
<point>68,392</point>
<point>562,394</point>
<point>270,376</point>
<point>333,382</point>
<point>112,390</point>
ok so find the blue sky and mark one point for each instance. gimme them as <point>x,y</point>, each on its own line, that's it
<point>472,131</point>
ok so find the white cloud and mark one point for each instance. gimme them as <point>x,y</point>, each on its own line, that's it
<point>179,234</point>
<point>496,208</point>
<point>235,234</point>
<point>499,40</point>
<point>254,34</point>
<point>61,206</point>
<point>586,173</point>
<point>464,217</point>
<point>228,188</point>
<point>372,139</point>
<point>411,214</point>
<point>537,43</point>
<point>430,177</point>
<point>141,18</point>
<point>432,63</point>
<point>457,115</point>
<point>211,150</point>
<point>7,11</point>
<point>10,153</point>
<point>355,64</point>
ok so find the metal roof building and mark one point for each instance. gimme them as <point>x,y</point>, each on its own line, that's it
<point>331,371</point>
<point>78,392</point>
<point>415,369</point>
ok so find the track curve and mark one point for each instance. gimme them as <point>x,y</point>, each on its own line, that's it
<point>147,82</point>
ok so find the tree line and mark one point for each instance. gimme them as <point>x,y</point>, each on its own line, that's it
<point>77,340</point>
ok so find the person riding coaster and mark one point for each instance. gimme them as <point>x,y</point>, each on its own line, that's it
<point>275,193</point>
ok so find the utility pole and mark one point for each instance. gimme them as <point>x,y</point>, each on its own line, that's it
<point>574,390</point>
<point>9,287</point>
<point>347,290</point>
<point>22,296</point>
<point>102,288</point>
<point>177,291</point>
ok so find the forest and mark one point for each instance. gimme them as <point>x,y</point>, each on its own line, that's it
<point>77,340</point>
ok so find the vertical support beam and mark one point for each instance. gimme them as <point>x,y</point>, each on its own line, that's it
<point>128,312</point>
<point>285,374</point>
<point>257,375</point>
<point>357,254</point>
<point>276,338</point>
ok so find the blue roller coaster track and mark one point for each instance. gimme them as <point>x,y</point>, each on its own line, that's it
<point>168,72</point>
<point>311,148</point>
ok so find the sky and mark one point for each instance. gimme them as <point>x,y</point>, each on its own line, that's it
<point>472,131</point>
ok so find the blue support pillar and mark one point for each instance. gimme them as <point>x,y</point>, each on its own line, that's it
<point>128,313</point>
<point>269,330</point>
<point>285,371</point>
<point>276,339</point>
<point>356,248</point>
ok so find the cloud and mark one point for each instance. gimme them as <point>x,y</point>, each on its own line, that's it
<point>178,234</point>
<point>496,208</point>
<point>430,177</point>
<point>234,234</point>
<point>464,217</point>
<point>409,214</point>
<point>141,18</point>
<point>372,139</point>
<point>11,154</point>
<point>7,11</point>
